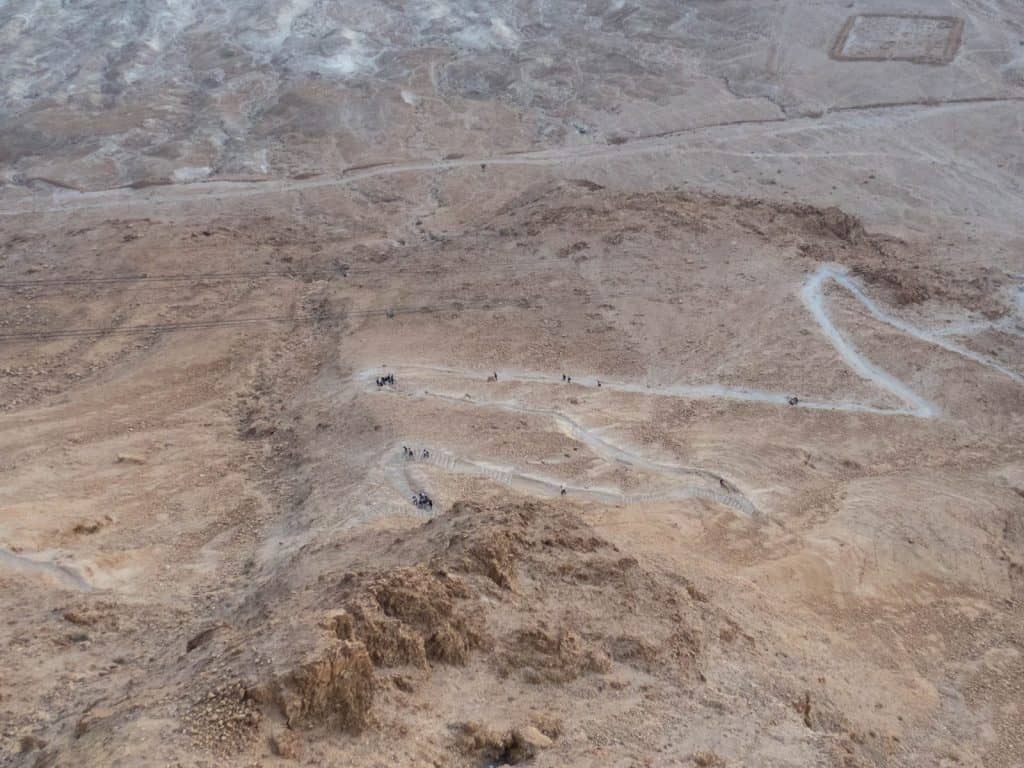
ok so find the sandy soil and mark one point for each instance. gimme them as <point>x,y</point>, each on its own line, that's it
<point>706,328</point>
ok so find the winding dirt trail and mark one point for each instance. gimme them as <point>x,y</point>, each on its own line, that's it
<point>686,481</point>
<point>813,298</point>
<point>812,294</point>
<point>397,467</point>
<point>686,391</point>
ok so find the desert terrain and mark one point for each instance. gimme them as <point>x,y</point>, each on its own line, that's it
<point>454,383</point>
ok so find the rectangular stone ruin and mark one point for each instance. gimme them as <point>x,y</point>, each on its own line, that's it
<point>898,37</point>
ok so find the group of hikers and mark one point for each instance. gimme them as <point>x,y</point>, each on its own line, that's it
<point>383,381</point>
<point>423,501</point>
<point>568,379</point>
<point>419,499</point>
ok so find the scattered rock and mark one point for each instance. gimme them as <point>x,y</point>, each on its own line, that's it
<point>202,638</point>
<point>403,683</point>
<point>548,724</point>
<point>87,527</point>
<point>707,759</point>
<point>527,742</point>
<point>843,225</point>
<point>555,657</point>
<point>803,706</point>
<point>478,578</point>
<point>501,747</point>
<point>225,720</point>
<point>89,720</point>
<point>76,617</point>
<point>286,744</point>
<point>30,742</point>
<point>333,687</point>
<point>409,616</point>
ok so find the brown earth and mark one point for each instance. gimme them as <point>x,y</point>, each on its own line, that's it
<point>707,354</point>
<point>251,588</point>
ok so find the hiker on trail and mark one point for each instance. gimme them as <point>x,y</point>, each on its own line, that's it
<point>495,375</point>
<point>563,377</point>
<point>562,492</point>
<point>598,383</point>
<point>569,379</point>
<point>426,454</point>
<point>793,400</point>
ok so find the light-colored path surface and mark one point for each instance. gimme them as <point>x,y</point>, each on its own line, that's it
<point>65,200</point>
<point>397,466</point>
<point>812,294</point>
<point>692,482</point>
<point>686,391</point>
<point>813,297</point>
<point>815,303</point>
<point>64,575</point>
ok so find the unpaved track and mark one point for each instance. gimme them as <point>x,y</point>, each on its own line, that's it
<point>542,485</point>
<point>64,575</point>
<point>686,391</point>
<point>692,482</point>
<point>814,300</point>
<point>709,485</point>
<point>67,201</point>
<point>812,294</point>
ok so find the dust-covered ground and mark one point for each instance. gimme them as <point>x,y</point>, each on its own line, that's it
<point>437,384</point>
